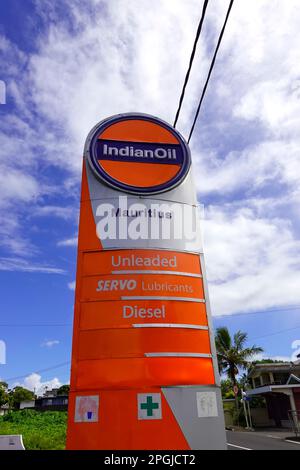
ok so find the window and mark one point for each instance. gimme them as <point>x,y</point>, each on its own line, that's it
<point>257,381</point>
<point>281,377</point>
<point>265,378</point>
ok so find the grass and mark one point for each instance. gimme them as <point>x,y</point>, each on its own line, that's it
<point>40,430</point>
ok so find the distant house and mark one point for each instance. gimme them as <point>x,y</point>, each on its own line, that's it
<point>279,384</point>
<point>50,401</point>
<point>26,404</point>
<point>4,409</point>
<point>58,403</point>
<point>50,393</point>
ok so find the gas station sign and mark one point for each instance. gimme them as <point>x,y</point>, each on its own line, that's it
<point>143,347</point>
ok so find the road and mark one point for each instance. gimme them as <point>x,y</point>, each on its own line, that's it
<point>257,441</point>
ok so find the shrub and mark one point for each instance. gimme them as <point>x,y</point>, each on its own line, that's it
<point>40,430</point>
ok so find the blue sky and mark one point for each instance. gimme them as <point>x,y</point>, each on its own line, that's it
<point>66,66</point>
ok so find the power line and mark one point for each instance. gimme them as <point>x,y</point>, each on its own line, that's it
<point>191,61</point>
<point>57,366</point>
<point>276,332</point>
<point>210,69</point>
<point>294,307</point>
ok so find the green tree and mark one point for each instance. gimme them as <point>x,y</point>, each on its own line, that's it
<point>244,380</point>
<point>19,394</point>
<point>270,361</point>
<point>226,389</point>
<point>233,354</point>
<point>63,390</point>
<point>3,393</point>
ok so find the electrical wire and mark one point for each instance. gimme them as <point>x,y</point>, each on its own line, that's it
<point>57,366</point>
<point>210,69</point>
<point>191,61</point>
<point>276,333</point>
<point>287,309</point>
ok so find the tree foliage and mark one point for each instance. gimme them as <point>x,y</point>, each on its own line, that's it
<point>63,390</point>
<point>3,393</point>
<point>18,394</point>
<point>232,353</point>
<point>226,389</point>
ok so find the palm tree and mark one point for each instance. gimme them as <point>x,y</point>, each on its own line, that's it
<point>232,353</point>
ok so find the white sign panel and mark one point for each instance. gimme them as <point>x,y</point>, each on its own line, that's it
<point>87,409</point>
<point>207,404</point>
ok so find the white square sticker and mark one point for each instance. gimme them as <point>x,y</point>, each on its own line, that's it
<point>149,406</point>
<point>207,404</point>
<point>87,409</point>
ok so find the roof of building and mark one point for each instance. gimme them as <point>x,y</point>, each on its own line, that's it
<point>290,367</point>
<point>271,388</point>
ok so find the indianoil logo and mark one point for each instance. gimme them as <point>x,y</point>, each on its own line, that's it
<point>138,154</point>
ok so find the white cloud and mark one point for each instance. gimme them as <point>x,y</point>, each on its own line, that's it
<point>11,236</point>
<point>49,343</point>
<point>72,285</point>
<point>275,104</point>
<point>292,358</point>
<point>262,356</point>
<point>33,382</point>
<point>19,264</point>
<point>17,185</point>
<point>268,162</point>
<point>68,242</point>
<point>253,262</point>
<point>65,213</point>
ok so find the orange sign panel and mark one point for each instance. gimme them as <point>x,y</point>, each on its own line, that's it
<point>115,261</point>
<point>123,314</point>
<point>129,286</point>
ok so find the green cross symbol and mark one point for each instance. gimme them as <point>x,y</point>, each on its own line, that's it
<point>149,406</point>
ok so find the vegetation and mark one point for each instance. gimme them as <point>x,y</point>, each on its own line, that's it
<point>14,397</point>
<point>18,394</point>
<point>234,357</point>
<point>226,389</point>
<point>63,390</point>
<point>232,353</point>
<point>3,393</point>
<point>41,430</point>
<point>270,361</point>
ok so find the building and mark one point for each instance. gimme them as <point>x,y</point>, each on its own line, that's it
<point>279,384</point>
<point>26,404</point>
<point>50,393</point>
<point>50,401</point>
<point>54,403</point>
